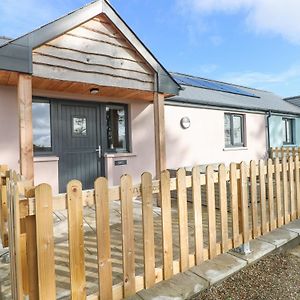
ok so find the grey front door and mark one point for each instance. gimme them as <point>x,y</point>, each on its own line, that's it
<point>79,131</point>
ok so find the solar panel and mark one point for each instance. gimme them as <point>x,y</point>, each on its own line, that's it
<point>217,86</point>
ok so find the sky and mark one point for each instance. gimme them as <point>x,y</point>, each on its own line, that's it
<point>255,43</point>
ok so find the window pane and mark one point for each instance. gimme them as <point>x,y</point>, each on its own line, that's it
<point>79,126</point>
<point>41,126</point>
<point>227,130</point>
<point>237,130</point>
<point>288,131</point>
<point>116,127</point>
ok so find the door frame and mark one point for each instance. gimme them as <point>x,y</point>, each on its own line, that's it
<point>56,121</point>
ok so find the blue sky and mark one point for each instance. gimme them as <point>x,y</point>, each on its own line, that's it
<point>250,42</point>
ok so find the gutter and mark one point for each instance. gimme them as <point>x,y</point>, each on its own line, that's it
<point>220,106</point>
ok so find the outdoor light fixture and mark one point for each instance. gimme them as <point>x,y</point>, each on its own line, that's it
<point>94,91</point>
<point>185,122</point>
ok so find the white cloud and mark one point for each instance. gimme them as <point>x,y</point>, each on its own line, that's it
<point>282,82</point>
<point>262,16</point>
<point>207,69</point>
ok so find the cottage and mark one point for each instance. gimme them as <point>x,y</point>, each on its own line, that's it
<point>227,123</point>
<point>82,97</point>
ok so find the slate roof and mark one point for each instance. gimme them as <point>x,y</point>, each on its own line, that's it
<point>264,101</point>
<point>4,40</point>
<point>294,100</point>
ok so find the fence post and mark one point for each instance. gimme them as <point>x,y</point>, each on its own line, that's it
<point>76,239</point>
<point>292,188</point>
<point>234,205</point>
<point>253,186</point>
<point>31,249</point>
<point>270,194</point>
<point>285,192</point>
<point>243,203</point>
<point>223,207</point>
<point>128,236</point>
<point>272,151</point>
<point>263,206</point>
<point>3,207</point>
<point>211,211</point>
<point>297,182</point>
<point>197,211</point>
<point>148,230</point>
<point>182,219</point>
<point>45,242</point>
<point>166,221</point>
<point>14,237</point>
<point>103,239</point>
<point>278,192</point>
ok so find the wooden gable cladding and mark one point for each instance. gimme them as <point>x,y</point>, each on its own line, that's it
<point>93,53</point>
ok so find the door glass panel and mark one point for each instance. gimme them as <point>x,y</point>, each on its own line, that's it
<point>116,127</point>
<point>79,126</point>
<point>237,130</point>
<point>41,127</point>
<point>227,130</point>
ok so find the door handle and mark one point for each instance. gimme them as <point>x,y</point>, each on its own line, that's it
<point>99,150</point>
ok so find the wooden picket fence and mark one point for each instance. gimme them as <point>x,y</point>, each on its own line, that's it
<point>12,186</point>
<point>281,152</point>
<point>247,185</point>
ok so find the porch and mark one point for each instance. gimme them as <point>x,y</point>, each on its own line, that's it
<point>89,56</point>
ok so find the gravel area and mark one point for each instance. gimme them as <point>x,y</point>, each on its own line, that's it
<point>274,277</point>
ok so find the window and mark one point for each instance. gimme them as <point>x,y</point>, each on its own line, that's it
<point>234,130</point>
<point>41,127</point>
<point>117,128</point>
<point>288,131</point>
<point>79,126</point>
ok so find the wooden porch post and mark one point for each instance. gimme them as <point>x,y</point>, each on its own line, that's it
<point>25,125</point>
<point>160,141</point>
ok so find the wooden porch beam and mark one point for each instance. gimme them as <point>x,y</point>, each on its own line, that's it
<point>160,140</point>
<point>25,125</point>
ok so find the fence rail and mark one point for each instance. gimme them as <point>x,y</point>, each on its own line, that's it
<point>286,152</point>
<point>263,196</point>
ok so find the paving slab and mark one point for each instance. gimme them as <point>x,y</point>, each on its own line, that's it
<point>181,286</point>
<point>258,250</point>
<point>295,251</point>
<point>293,226</point>
<point>134,297</point>
<point>219,268</point>
<point>278,237</point>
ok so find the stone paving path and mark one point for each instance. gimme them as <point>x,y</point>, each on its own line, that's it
<point>61,244</point>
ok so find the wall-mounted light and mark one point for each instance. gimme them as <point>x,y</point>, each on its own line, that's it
<point>185,122</point>
<point>94,91</point>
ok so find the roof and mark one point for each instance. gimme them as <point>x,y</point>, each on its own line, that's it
<point>253,99</point>
<point>16,55</point>
<point>4,40</point>
<point>294,100</point>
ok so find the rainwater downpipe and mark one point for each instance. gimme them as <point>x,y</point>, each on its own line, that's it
<point>269,115</point>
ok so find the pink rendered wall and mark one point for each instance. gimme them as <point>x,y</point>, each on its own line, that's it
<point>142,158</point>
<point>9,128</point>
<point>203,142</point>
<point>46,171</point>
